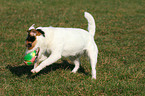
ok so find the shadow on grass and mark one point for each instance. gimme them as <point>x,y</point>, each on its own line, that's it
<point>24,69</point>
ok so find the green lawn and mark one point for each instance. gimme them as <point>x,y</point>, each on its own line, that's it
<point>120,36</point>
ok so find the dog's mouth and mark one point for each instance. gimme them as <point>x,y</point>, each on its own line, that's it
<point>33,57</point>
<point>31,45</point>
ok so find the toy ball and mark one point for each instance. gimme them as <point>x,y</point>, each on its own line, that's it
<point>30,58</point>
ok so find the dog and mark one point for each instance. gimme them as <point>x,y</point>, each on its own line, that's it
<point>56,42</point>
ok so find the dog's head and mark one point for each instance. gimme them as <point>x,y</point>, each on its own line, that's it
<point>31,39</point>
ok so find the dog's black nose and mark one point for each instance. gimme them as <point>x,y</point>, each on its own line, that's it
<point>29,45</point>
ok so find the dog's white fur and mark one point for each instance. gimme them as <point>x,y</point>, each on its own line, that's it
<point>66,42</point>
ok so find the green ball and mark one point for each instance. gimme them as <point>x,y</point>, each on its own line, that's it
<point>30,58</point>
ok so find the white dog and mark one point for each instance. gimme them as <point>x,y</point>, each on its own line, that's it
<point>55,42</point>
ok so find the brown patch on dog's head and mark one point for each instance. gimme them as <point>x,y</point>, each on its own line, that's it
<point>31,38</point>
<point>34,32</point>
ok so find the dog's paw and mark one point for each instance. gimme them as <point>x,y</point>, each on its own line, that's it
<point>36,70</point>
<point>73,71</point>
<point>33,71</point>
<point>94,77</point>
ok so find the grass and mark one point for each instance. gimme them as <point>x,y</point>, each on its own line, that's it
<point>119,35</point>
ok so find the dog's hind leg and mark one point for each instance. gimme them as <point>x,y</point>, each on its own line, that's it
<point>93,53</point>
<point>77,65</point>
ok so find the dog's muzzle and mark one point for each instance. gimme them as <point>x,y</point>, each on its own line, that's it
<point>29,45</point>
<point>34,59</point>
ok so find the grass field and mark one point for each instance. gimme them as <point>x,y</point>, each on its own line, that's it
<point>120,36</point>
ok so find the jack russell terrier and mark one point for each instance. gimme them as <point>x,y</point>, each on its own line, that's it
<point>56,42</point>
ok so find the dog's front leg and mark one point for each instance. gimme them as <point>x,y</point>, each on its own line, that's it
<point>40,59</point>
<point>36,64</point>
<point>51,59</point>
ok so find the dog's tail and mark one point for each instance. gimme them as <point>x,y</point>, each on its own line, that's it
<point>91,23</point>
